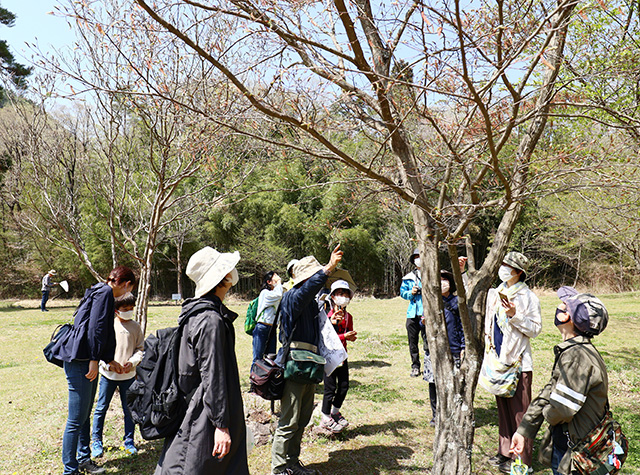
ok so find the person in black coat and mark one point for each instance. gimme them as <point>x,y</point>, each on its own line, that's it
<point>92,340</point>
<point>212,436</point>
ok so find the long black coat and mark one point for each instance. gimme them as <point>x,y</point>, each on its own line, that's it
<point>208,369</point>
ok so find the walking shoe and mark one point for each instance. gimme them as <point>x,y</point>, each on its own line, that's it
<point>415,372</point>
<point>432,422</point>
<point>340,420</point>
<point>299,469</point>
<point>330,424</point>
<point>96,449</point>
<point>91,468</point>
<point>130,448</point>
<point>505,467</point>
<point>497,459</point>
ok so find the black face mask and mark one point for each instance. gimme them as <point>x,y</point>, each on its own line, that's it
<point>556,321</point>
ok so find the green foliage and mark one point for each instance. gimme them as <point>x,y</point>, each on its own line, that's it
<point>8,64</point>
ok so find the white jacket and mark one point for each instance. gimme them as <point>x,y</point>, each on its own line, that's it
<point>525,324</point>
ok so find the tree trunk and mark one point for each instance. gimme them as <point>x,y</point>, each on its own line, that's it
<point>144,285</point>
<point>453,442</point>
<point>179,267</point>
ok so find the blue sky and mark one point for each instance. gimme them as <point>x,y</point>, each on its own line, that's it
<point>35,25</point>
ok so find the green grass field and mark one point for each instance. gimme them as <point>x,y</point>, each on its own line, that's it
<point>389,411</point>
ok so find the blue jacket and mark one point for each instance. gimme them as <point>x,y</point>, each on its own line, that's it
<point>415,301</point>
<point>93,336</point>
<point>454,326</point>
<point>300,308</point>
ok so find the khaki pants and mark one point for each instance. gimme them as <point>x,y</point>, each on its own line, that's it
<point>296,409</point>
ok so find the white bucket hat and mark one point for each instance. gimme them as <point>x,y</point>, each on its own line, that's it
<point>208,267</point>
<point>292,263</point>
<point>340,284</point>
<point>52,272</point>
<point>305,268</point>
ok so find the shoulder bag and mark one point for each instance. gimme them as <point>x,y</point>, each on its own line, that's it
<point>496,377</point>
<point>267,377</point>
<point>601,451</point>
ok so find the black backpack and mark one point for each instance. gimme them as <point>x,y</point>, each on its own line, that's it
<point>156,403</point>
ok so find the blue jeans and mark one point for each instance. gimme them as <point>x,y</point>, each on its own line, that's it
<point>107,388</point>
<point>260,344</point>
<point>45,297</point>
<point>76,438</point>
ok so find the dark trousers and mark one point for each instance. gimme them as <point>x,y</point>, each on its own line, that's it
<point>511,410</point>
<point>336,386</point>
<point>45,297</point>
<point>415,329</point>
<point>433,399</point>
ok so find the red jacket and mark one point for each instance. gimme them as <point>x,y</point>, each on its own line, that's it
<point>345,325</point>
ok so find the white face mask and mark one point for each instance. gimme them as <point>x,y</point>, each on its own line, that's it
<point>417,262</point>
<point>341,301</point>
<point>234,277</point>
<point>444,284</point>
<point>504,273</point>
<point>128,315</point>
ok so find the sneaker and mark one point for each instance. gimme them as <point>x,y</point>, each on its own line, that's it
<point>299,469</point>
<point>497,459</point>
<point>330,424</point>
<point>130,448</point>
<point>505,467</point>
<point>432,422</point>
<point>96,449</point>
<point>415,372</point>
<point>340,420</point>
<point>91,468</point>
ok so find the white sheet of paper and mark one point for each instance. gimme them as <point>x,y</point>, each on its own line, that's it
<point>330,347</point>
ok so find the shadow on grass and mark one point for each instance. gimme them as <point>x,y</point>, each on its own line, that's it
<point>370,460</point>
<point>368,364</point>
<point>620,359</point>
<point>144,462</point>
<point>373,429</point>
<point>486,416</point>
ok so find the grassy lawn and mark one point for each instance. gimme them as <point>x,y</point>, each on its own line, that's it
<point>389,411</point>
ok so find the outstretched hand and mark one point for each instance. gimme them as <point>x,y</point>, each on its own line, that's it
<point>336,257</point>
<point>462,262</point>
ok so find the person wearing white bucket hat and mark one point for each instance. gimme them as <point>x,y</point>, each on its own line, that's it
<point>47,285</point>
<point>336,384</point>
<point>212,436</point>
<point>299,311</point>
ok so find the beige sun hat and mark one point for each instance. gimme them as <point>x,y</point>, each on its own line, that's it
<point>52,272</point>
<point>305,268</point>
<point>516,260</point>
<point>208,267</point>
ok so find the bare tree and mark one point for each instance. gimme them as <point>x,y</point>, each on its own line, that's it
<point>46,176</point>
<point>140,163</point>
